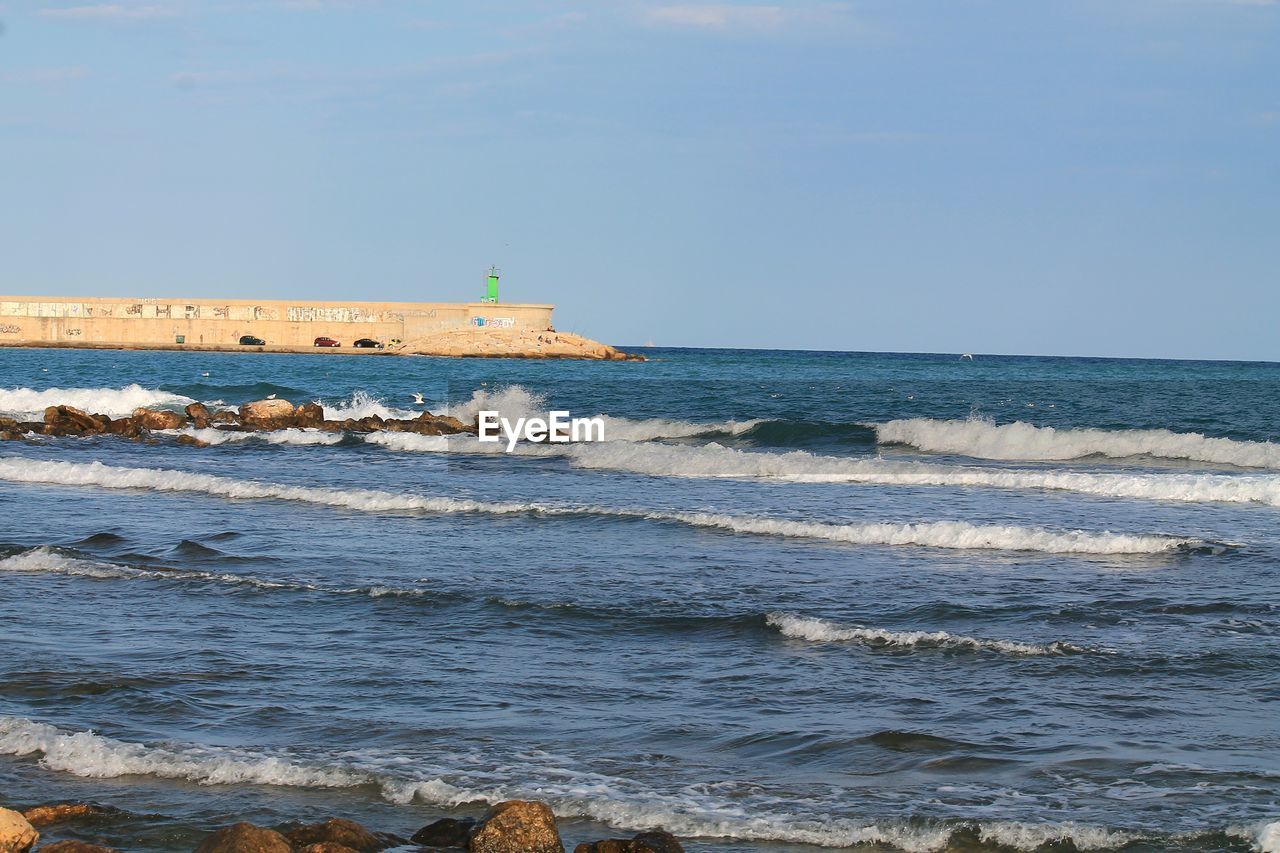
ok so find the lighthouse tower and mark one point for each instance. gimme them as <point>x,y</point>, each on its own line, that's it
<point>491,286</point>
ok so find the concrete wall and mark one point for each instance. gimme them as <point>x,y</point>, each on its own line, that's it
<point>43,319</point>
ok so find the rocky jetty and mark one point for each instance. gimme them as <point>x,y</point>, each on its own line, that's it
<point>257,416</point>
<point>512,343</point>
<point>514,826</point>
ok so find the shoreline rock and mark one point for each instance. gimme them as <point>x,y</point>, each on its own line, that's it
<point>17,835</point>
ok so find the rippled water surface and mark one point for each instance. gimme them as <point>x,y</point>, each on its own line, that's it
<point>795,600</point>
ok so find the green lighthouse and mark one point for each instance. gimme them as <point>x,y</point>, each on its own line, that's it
<point>491,287</point>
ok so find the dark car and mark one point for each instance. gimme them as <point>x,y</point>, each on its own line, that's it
<point>368,343</point>
<point>251,341</point>
<point>327,342</point>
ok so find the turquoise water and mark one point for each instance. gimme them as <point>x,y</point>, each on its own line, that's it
<point>795,600</point>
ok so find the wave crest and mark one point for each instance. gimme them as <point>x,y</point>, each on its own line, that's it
<point>116,402</point>
<point>1022,441</point>
<point>824,631</point>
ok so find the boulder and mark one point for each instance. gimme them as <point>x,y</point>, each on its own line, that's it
<point>73,846</point>
<point>309,415</point>
<point>192,441</point>
<point>11,435</point>
<point>654,841</point>
<point>516,826</point>
<point>326,847</point>
<point>68,420</point>
<point>57,812</point>
<point>17,835</point>
<point>336,830</point>
<point>199,414</point>
<point>225,416</point>
<point>245,838</point>
<point>446,832</point>
<point>157,419</point>
<point>127,427</point>
<point>262,410</point>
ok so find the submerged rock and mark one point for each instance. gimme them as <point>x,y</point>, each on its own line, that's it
<point>58,812</point>
<point>72,846</point>
<point>245,838</point>
<point>17,835</point>
<point>446,832</point>
<point>654,841</point>
<point>517,826</point>
<point>340,831</point>
<point>326,847</point>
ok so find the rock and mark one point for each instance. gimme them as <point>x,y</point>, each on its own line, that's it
<point>265,410</point>
<point>245,838</point>
<point>56,812</point>
<point>73,846</point>
<point>373,423</point>
<point>655,841</point>
<point>127,427</point>
<point>192,441</point>
<point>225,416</point>
<point>309,415</point>
<point>17,835</point>
<point>326,847</point>
<point>446,832</point>
<point>11,435</point>
<point>199,414</point>
<point>68,420</point>
<point>336,830</point>
<point>157,419</point>
<point>517,826</point>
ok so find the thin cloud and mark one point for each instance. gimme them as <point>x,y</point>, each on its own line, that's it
<point>736,18</point>
<point>111,11</point>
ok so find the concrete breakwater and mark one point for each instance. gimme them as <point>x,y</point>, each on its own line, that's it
<point>221,323</point>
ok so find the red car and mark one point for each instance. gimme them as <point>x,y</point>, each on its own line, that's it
<point>327,342</point>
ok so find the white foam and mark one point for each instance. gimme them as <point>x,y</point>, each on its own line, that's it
<point>361,404</point>
<point>1267,838</point>
<point>514,401</point>
<point>26,403</point>
<point>939,534</point>
<point>1023,441</point>
<point>291,435</point>
<point>823,631</point>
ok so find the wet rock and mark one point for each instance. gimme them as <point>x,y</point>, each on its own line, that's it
<point>225,416</point>
<point>309,415</point>
<point>517,826</point>
<point>267,414</point>
<point>157,419</point>
<point>199,414</point>
<point>337,830</point>
<point>192,441</point>
<point>326,847</point>
<point>58,812</point>
<point>446,832</point>
<point>73,846</point>
<point>11,435</point>
<point>17,835</point>
<point>127,427</point>
<point>68,420</point>
<point>245,838</point>
<point>373,423</point>
<point>654,841</point>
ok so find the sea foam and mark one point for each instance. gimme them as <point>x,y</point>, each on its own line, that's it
<point>1023,441</point>
<point>823,631</point>
<point>937,534</point>
<point>27,403</point>
<point>621,803</point>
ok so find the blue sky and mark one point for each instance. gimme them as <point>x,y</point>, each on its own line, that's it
<point>1030,176</point>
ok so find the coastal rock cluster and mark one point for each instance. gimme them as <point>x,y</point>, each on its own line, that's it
<point>515,826</point>
<point>512,343</point>
<point>257,416</point>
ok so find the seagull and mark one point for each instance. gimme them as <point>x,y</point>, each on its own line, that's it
<point>417,398</point>
<point>271,396</point>
<point>967,357</point>
<point>206,373</point>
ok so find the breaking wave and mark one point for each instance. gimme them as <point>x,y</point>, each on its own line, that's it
<point>1023,441</point>
<point>823,631</point>
<point>938,534</point>
<point>209,435</point>
<point>117,402</point>
<point>361,404</point>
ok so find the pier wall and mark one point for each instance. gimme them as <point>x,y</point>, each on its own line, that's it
<point>221,322</point>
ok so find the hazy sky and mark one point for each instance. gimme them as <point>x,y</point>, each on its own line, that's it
<point>1030,176</point>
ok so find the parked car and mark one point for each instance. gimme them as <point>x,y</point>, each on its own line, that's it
<point>368,343</point>
<point>327,342</point>
<point>251,341</point>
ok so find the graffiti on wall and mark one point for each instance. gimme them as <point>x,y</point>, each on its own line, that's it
<point>9,329</point>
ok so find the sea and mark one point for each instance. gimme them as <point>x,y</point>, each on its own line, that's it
<point>794,601</point>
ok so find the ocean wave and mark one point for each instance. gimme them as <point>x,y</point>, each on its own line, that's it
<point>362,404</point>
<point>985,439</point>
<point>618,802</point>
<point>937,534</point>
<point>117,402</point>
<point>210,435</point>
<point>823,631</point>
